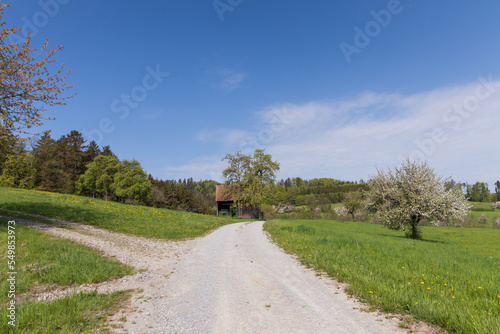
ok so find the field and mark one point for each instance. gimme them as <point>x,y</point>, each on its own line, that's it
<point>450,279</point>
<point>125,218</point>
<point>43,260</point>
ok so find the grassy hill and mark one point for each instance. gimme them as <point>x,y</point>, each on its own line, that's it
<point>451,278</point>
<point>113,216</point>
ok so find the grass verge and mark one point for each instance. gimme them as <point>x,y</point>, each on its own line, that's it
<point>42,259</point>
<point>45,259</point>
<point>118,217</point>
<point>79,313</point>
<point>450,279</point>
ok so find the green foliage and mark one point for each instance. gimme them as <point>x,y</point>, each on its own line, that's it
<point>478,192</point>
<point>305,214</point>
<point>249,178</point>
<point>131,219</point>
<point>451,279</point>
<point>130,181</point>
<point>354,202</point>
<point>100,174</point>
<point>18,171</point>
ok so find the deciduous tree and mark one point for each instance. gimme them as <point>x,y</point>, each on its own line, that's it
<point>100,174</point>
<point>27,83</point>
<point>131,181</point>
<point>248,178</point>
<point>412,192</point>
<point>18,171</point>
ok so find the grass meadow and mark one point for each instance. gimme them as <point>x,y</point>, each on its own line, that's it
<point>450,279</point>
<point>113,216</point>
<point>42,259</point>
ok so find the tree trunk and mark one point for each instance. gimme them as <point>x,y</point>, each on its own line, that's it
<point>414,231</point>
<point>414,227</point>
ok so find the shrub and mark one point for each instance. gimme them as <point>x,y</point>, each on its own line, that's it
<point>316,213</point>
<point>268,212</point>
<point>483,221</point>
<point>305,214</point>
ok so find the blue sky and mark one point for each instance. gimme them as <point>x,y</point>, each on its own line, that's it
<point>329,88</point>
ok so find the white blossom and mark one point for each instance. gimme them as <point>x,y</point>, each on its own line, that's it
<point>412,192</point>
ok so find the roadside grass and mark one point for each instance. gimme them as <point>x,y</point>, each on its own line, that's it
<point>42,259</point>
<point>118,217</point>
<point>84,312</point>
<point>450,279</point>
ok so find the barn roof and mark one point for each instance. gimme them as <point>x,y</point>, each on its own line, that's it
<point>220,196</point>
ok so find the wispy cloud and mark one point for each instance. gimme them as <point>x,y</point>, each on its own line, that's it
<point>454,128</point>
<point>225,78</point>
<point>202,168</point>
<point>222,135</point>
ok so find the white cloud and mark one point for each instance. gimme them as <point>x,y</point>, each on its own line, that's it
<point>350,138</point>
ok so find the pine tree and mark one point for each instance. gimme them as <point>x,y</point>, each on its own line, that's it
<point>43,151</point>
<point>92,152</point>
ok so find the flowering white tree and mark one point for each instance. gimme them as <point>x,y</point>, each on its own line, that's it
<point>412,192</point>
<point>341,211</point>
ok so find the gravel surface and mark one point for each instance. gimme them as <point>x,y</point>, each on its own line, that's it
<point>234,280</point>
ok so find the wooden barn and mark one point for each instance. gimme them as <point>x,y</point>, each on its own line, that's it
<point>225,204</point>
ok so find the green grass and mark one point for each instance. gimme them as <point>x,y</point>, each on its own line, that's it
<point>481,206</point>
<point>78,313</point>
<point>479,209</point>
<point>42,258</point>
<point>46,260</point>
<point>450,279</point>
<point>131,219</point>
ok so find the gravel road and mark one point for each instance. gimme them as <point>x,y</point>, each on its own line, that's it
<point>234,280</point>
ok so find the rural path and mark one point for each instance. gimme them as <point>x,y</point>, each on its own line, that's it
<point>234,280</point>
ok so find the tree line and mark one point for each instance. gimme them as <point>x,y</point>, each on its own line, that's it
<point>69,165</point>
